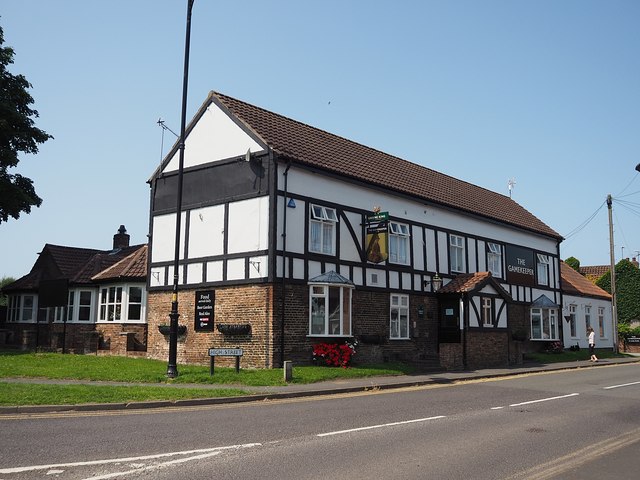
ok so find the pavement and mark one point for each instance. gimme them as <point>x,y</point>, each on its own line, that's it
<point>293,390</point>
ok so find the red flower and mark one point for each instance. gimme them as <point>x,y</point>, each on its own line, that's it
<point>333,354</point>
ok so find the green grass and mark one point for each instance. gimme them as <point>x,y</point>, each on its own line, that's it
<point>569,356</point>
<point>12,394</point>
<point>151,374</point>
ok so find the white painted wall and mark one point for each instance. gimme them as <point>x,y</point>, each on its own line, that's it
<point>248,225</point>
<point>163,237</point>
<point>581,337</point>
<point>206,232</point>
<point>214,137</point>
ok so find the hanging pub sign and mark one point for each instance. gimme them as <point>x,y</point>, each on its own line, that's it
<point>377,237</point>
<point>520,266</point>
<point>205,301</point>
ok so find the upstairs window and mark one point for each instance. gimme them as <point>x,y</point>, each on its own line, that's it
<point>322,230</point>
<point>494,259</point>
<point>398,243</point>
<point>543,269</point>
<point>456,253</point>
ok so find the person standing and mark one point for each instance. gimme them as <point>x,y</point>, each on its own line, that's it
<point>592,344</point>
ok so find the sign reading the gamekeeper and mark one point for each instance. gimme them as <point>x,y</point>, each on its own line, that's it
<point>377,229</point>
<point>205,301</point>
<point>520,266</point>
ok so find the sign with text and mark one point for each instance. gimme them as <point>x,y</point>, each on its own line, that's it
<point>377,234</point>
<point>520,266</point>
<point>205,303</point>
<point>225,352</point>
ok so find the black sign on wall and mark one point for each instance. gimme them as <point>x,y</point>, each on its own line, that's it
<point>520,266</point>
<point>205,303</point>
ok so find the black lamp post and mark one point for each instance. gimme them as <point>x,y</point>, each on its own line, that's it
<point>172,367</point>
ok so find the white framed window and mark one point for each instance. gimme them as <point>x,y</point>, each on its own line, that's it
<point>122,303</point>
<point>322,230</point>
<point>399,317</point>
<point>80,305</point>
<point>22,308</point>
<point>544,324</point>
<point>587,316</point>
<point>398,243</point>
<point>494,259</point>
<point>487,312</point>
<point>572,321</point>
<point>330,310</point>
<point>456,253</point>
<point>601,321</point>
<point>543,269</point>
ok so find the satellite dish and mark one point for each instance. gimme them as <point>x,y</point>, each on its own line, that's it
<point>247,156</point>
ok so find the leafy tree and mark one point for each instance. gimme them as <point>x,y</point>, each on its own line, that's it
<point>627,290</point>
<point>574,263</point>
<point>17,134</point>
<point>4,281</point>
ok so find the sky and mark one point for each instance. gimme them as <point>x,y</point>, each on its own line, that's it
<point>545,93</point>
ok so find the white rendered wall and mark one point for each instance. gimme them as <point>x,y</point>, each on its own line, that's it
<point>163,237</point>
<point>206,232</point>
<point>214,137</point>
<point>581,337</point>
<point>248,225</point>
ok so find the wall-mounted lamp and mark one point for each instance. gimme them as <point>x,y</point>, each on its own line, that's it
<point>435,282</point>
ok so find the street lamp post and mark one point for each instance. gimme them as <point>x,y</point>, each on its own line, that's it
<point>172,367</point>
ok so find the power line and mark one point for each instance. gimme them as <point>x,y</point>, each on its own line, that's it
<point>580,227</point>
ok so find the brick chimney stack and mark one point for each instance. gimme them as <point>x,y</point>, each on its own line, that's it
<point>121,239</point>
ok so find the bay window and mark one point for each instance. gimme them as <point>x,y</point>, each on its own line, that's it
<point>544,324</point>
<point>21,308</point>
<point>330,310</point>
<point>121,303</point>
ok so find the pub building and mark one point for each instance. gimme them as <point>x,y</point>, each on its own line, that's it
<point>292,236</point>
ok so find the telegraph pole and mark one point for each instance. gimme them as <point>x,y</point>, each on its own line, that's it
<point>614,302</point>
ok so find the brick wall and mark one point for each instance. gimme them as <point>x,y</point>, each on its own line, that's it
<point>233,305</point>
<point>487,349</point>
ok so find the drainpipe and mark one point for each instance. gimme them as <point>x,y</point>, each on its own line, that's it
<point>284,259</point>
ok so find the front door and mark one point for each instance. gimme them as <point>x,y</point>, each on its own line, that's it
<point>449,328</point>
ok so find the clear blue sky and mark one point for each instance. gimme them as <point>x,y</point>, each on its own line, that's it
<point>545,92</point>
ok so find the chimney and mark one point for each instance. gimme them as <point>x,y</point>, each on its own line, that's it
<point>121,239</point>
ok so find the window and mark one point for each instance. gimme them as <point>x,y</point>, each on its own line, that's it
<point>543,269</point>
<point>487,314</point>
<point>456,253</point>
<point>398,243</point>
<point>494,259</point>
<point>330,310</point>
<point>322,230</point>
<point>601,321</point>
<point>572,320</point>
<point>121,303</point>
<point>21,308</point>
<point>70,306</point>
<point>587,316</point>
<point>544,324</point>
<point>399,317</point>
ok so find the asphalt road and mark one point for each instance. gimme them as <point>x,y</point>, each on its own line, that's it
<point>577,424</point>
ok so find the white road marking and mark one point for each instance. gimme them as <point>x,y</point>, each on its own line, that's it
<point>544,400</point>
<point>623,385</point>
<point>205,451</point>
<point>371,427</point>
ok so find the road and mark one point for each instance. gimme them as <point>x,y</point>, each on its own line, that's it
<point>575,424</point>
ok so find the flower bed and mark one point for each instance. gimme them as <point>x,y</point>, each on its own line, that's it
<point>334,354</point>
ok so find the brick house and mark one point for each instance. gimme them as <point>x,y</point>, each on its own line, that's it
<point>80,300</point>
<point>430,269</point>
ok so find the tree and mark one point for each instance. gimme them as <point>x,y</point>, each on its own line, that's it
<point>4,281</point>
<point>17,134</point>
<point>627,290</point>
<point>574,263</point>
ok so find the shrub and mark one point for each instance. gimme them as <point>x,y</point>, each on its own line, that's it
<point>334,354</point>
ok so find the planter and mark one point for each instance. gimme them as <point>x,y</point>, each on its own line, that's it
<point>166,329</point>
<point>234,328</point>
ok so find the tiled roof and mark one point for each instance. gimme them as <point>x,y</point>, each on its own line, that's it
<point>466,282</point>
<point>132,266</point>
<point>594,272</point>
<point>575,284</point>
<point>316,148</point>
<point>332,278</point>
<point>78,265</point>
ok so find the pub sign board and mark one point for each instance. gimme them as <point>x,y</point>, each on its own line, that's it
<point>377,237</point>
<point>205,303</point>
<point>520,266</point>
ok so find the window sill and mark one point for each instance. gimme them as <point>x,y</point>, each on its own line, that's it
<point>391,339</point>
<point>320,335</point>
<point>544,339</point>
